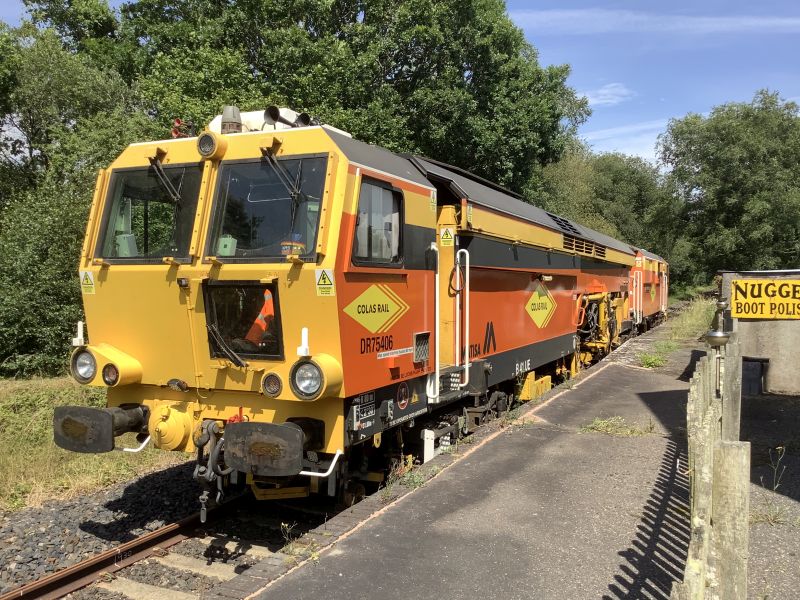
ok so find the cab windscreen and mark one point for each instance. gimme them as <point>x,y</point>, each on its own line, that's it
<point>268,209</point>
<point>150,215</point>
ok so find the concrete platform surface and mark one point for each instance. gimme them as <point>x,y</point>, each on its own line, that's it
<point>543,510</point>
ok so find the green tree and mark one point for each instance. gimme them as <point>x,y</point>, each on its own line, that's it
<point>736,176</point>
<point>629,190</point>
<point>451,79</point>
<point>622,196</point>
<point>568,189</point>
<point>69,118</point>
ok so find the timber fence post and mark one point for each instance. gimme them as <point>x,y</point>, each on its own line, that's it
<point>730,513</point>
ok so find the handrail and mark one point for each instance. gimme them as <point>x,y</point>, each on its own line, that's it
<point>325,473</point>
<point>465,253</point>
<point>429,392</point>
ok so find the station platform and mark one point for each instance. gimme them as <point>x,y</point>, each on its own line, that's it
<point>546,507</point>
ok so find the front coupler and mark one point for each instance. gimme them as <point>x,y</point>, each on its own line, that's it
<point>91,430</point>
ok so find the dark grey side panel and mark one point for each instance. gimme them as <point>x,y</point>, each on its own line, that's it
<point>484,252</point>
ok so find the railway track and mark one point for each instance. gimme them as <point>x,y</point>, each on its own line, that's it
<point>77,576</point>
<point>179,561</point>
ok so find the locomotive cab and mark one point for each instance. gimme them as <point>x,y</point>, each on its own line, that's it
<point>229,280</point>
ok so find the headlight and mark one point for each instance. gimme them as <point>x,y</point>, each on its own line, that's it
<point>84,366</point>
<point>110,374</point>
<point>307,379</point>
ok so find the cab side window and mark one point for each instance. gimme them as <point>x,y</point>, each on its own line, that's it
<point>379,225</point>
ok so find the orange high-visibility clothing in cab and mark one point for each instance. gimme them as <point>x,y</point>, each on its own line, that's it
<point>263,320</point>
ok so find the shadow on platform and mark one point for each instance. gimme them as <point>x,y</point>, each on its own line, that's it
<point>657,555</point>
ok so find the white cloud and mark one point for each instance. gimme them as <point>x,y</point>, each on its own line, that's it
<point>637,139</point>
<point>610,94</point>
<point>593,21</point>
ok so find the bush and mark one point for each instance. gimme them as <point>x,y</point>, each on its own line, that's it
<point>33,468</point>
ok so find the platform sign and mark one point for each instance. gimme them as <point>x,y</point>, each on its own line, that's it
<point>765,298</point>
<point>541,306</point>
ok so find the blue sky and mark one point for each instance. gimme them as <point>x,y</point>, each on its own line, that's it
<point>641,63</point>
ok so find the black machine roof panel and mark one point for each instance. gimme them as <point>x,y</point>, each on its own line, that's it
<point>378,158</point>
<point>484,193</point>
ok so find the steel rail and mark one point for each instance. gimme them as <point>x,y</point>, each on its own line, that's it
<point>79,575</point>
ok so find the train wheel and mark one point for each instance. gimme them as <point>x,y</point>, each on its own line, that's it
<point>353,493</point>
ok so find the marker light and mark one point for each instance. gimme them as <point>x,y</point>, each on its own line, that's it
<point>271,385</point>
<point>110,374</point>
<point>211,146</point>
<point>84,366</point>
<point>306,379</point>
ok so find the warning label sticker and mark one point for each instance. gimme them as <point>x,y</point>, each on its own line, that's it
<point>446,236</point>
<point>87,282</point>
<point>324,282</point>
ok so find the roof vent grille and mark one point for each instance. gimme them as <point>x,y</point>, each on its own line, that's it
<point>564,224</point>
<point>582,246</point>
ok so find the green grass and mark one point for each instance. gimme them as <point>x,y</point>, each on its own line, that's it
<point>34,469</point>
<point>658,358</point>
<point>680,294</point>
<point>691,323</point>
<point>694,321</point>
<point>617,426</point>
<point>651,360</point>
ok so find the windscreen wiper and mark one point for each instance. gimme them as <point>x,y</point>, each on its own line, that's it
<point>229,353</point>
<point>166,184</point>
<point>293,187</point>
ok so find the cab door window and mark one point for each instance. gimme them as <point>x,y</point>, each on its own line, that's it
<point>379,225</point>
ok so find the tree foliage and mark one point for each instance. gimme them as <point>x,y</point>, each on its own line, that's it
<point>736,180</point>
<point>621,196</point>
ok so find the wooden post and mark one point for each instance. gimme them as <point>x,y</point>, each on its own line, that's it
<point>731,512</point>
<point>716,563</point>
<point>678,592</point>
<point>732,398</point>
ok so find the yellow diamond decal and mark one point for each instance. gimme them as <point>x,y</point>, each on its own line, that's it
<point>653,292</point>
<point>541,306</point>
<point>377,309</point>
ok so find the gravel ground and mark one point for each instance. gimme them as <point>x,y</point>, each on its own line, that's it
<point>771,423</point>
<point>95,593</point>
<point>219,554</point>
<point>37,541</point>
<point>153,573</point>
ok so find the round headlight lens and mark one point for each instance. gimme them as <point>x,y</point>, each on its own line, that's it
<point>307,379</point>
<point>110,374</point>
<point>84,366</point>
